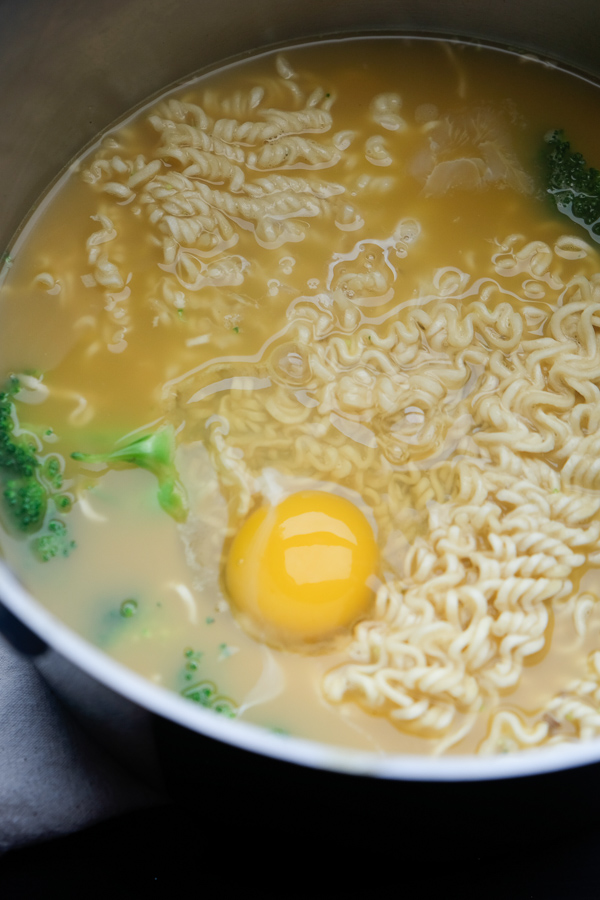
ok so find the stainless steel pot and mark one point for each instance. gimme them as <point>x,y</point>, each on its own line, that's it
<point>67,69</point>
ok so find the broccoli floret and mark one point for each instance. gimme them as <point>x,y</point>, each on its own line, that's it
<point>24,495</point>
<point>574,188</point>
<point>156,453</point>
<point>26,500</point>
<point>55,543</point>
<point>16,455</point>
<point>28,484</point>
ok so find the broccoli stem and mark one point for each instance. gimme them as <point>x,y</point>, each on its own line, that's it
<point>156,453</point>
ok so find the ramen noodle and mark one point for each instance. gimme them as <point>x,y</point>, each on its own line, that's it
<point>329,286</point>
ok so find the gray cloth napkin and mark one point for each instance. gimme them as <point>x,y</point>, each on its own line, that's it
<point>54,778</point>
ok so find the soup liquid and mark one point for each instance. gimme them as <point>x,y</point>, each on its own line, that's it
<point>128,587</point>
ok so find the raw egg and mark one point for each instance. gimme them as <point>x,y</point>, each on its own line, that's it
<point>300,571</point>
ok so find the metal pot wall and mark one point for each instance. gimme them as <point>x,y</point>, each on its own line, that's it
<point>68,69</point>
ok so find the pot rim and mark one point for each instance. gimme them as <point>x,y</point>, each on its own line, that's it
<point>245,735</point>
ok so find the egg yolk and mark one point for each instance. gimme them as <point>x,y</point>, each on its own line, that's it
<point>301,570</point>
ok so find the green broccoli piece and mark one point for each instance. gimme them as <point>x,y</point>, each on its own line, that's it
<point>23,493</point>
<point>28,484</point>
<point>52,471</point>
<point>55,543</point>
<point>574,188</point>
<point>16,455</point>
<point>154,452</point>
<point>26,500</point>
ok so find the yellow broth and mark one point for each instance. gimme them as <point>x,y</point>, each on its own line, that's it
<point>128,550</point>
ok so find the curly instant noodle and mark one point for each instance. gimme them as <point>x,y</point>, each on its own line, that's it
<point>449,406</point>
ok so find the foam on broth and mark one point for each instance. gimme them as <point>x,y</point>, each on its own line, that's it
<point>120,363</point>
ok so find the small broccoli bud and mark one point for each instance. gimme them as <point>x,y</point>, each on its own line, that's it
<point>52,471</point>
<point>55,543</point>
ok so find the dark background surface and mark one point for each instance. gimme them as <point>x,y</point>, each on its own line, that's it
<point>242,818</point>
<point>146,852</point>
